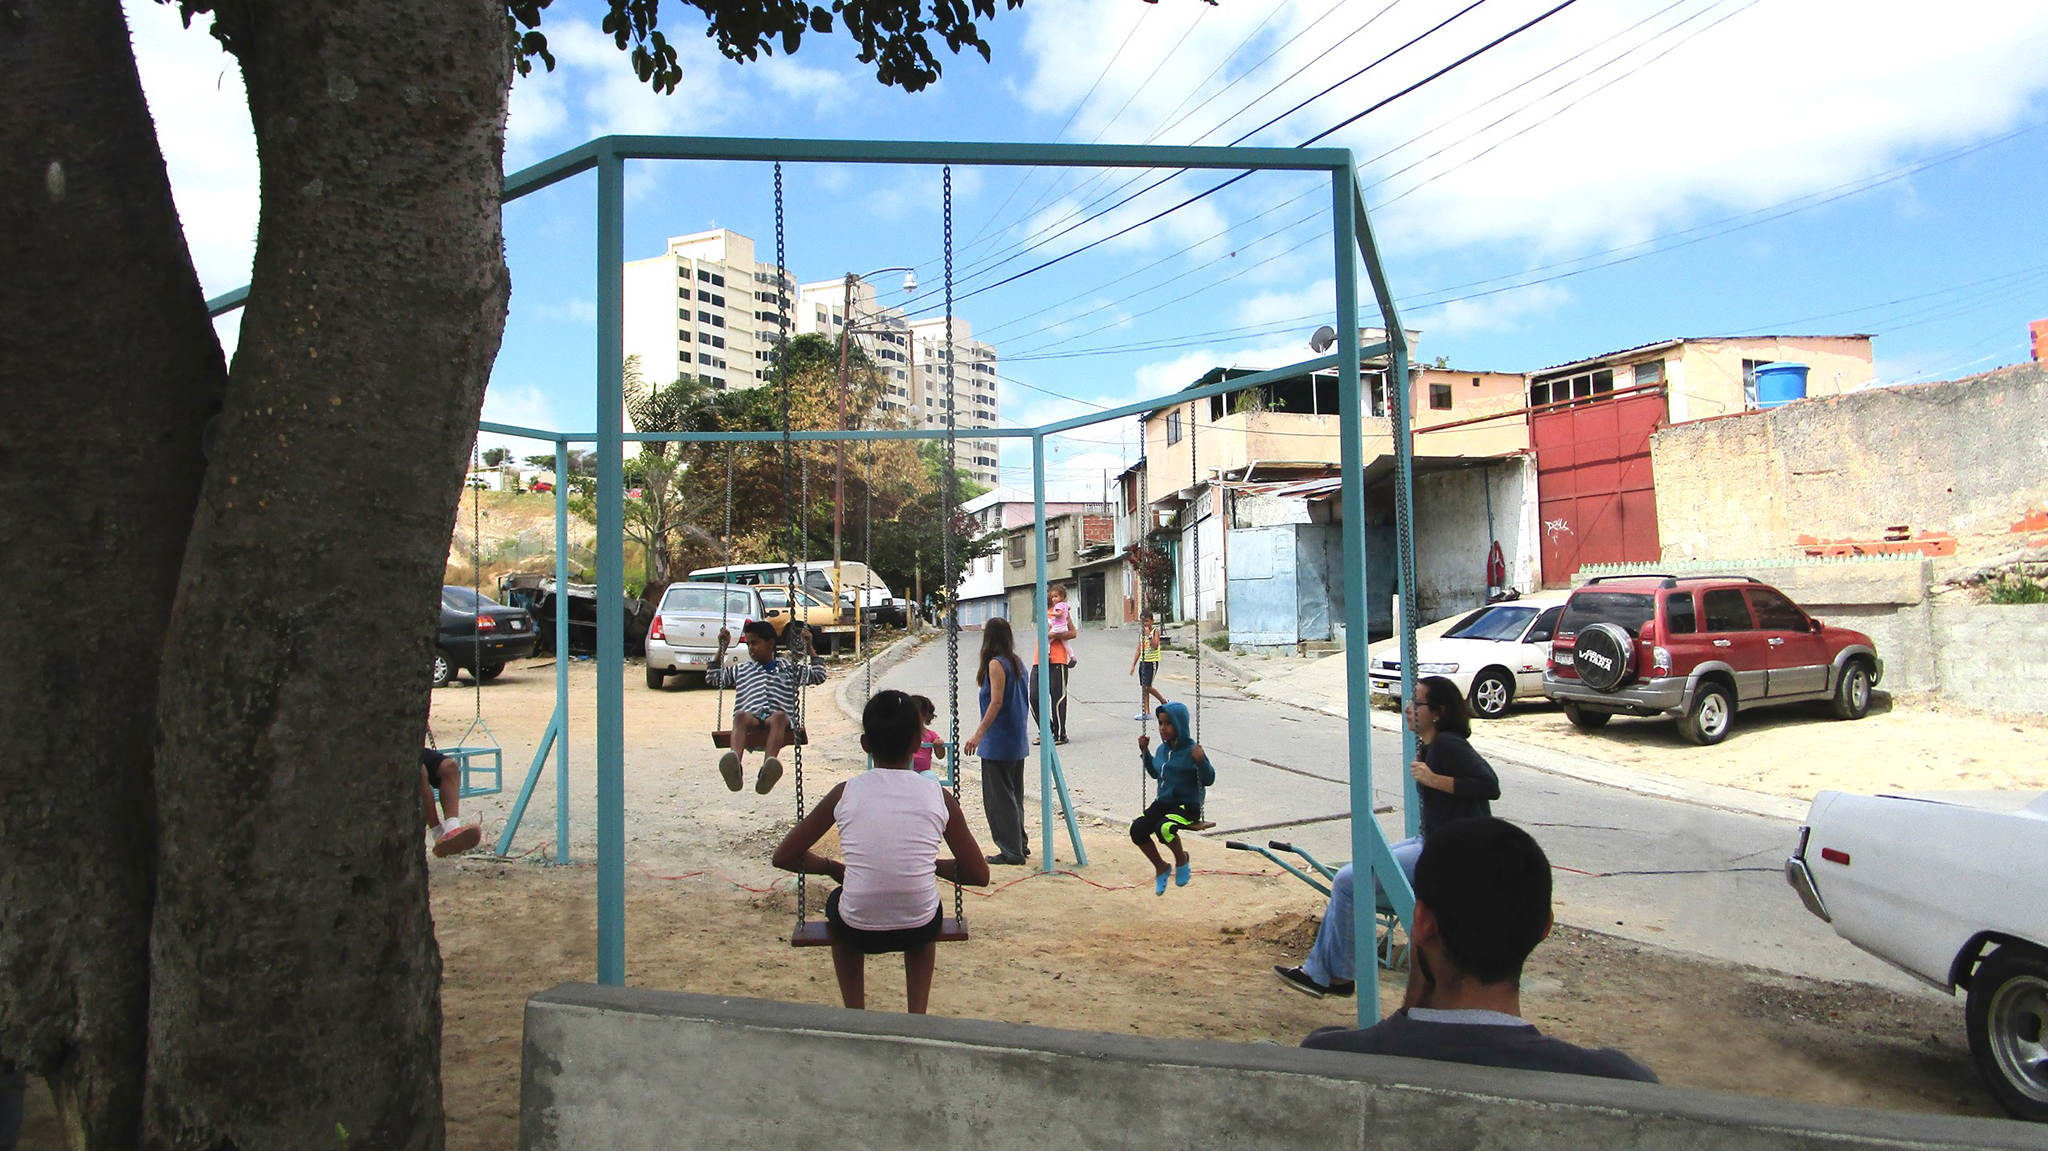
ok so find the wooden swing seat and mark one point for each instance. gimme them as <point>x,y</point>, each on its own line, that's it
<point>757,739</point>
<point>817,934</point>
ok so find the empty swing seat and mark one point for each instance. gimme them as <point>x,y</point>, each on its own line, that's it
<point>483,768</point>
<point>757,739</point>
<point>817,934</point>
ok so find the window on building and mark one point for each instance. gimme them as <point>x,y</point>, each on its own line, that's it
<point>1440,397</point>
<point>717,321</point>
<point>717,281</point>
<point>703,275</point>
<point>683,334</point>
<point>1052,540</point>
<point>1173,427</point>
<point>1539,393</point>
<point>1651,373</point>
<point>1749,368</point>
<point>703,317</point>
<point>1013,549</point>
<point>704,358</point>
<point>716,341</point>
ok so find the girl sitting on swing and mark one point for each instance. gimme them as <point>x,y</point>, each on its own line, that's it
<point>891,821</point>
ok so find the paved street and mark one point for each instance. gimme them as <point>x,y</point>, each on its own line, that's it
<point>1698,879</point>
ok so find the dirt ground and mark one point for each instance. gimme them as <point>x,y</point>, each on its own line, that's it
<point>1907,743</point>
<point>1093,948</point>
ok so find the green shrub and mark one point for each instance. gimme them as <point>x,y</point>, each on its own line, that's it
<point>1219,643</point>
<point>2019,590</point>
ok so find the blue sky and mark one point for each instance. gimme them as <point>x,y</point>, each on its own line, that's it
<point>1623,172</point>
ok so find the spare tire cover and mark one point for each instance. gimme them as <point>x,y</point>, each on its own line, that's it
<point>1603,656</point>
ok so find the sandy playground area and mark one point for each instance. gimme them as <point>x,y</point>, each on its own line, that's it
<point>1092,948</point>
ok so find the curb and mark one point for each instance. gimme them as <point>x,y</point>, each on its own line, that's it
<point>896,653</point>
<point>1591,771</point>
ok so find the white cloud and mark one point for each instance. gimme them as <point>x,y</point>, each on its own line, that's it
<point>1503,312</point>
<point>1318,298</point>
<point>1778,101</point>
<point>202,124</point>
<point>524,405</point>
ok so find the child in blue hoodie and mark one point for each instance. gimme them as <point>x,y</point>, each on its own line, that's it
<point>1184,773</point>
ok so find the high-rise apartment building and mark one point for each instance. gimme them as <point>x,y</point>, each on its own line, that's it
<point>706,307</point>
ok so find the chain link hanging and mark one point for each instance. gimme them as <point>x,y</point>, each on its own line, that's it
<point>1195,508</point>
<point>1143,537</point>
<point>782,306</point>
<point>949,502</point>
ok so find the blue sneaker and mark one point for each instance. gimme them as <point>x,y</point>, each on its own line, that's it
<point>1181,875</point>
<point>1159,884</point>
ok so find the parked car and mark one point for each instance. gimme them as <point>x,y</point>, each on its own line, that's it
<point>1956,895</point>
<point>817,612</point>
<point>683,636</point>
<point>1700,649</point>
<point>1493,655</point>
<point>536,594</point>
<point>478,635</point>
<point>860,589</point>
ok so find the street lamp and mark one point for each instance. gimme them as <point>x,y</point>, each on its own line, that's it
<point>839,446</point>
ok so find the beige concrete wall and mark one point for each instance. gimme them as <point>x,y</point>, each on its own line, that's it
<point>635,1068</point>
<point>1956,471</point>
<point>1704,377</point>
<point>1473,394</point>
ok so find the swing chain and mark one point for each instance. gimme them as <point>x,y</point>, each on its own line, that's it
<point>788,511</point>
<point>1195,519</point>
<point>949,503</point>
<point>1143,536</point>
<point>476,580</point>
<point>724,599</point>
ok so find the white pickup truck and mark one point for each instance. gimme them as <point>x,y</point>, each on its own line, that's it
<point>1955,894</point>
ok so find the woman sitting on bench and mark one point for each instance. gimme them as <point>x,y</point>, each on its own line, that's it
<point>1453,782</point>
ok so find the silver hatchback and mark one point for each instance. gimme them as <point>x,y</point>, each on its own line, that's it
<point>684,634</point>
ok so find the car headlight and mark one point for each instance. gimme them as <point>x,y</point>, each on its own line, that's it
<point>1437,669</point>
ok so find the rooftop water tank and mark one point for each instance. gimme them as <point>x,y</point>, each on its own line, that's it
<point>1780,383</point>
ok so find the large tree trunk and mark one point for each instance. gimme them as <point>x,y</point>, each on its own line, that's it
<point>108,366</point>
<point>295,982</point>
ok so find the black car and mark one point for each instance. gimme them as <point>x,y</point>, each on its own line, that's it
<point>478,635</point>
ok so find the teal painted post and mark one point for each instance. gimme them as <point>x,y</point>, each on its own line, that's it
<point>1042,689</point>
<point>561,651</point>
<point>1358,712</point>
<point>611,656</point>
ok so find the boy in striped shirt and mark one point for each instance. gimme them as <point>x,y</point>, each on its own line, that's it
<point>764,697</point>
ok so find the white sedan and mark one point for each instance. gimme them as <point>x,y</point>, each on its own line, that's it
<point>1955,894</point>
<point>1493,655</point>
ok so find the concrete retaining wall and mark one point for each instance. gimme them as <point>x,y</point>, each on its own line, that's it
<point>1955,470</point>
<point>628,1068</point>
<point>1992,656</point>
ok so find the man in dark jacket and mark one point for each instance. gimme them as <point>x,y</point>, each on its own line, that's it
<point>1482,904</point>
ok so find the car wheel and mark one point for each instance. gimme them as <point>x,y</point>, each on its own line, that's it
<point>655,676</point>
<point>1852,695</point>
<point>1711,715</point>
<point>489,673</point>
<point>2007,1015</point>
<point>444,668</point>
<point>1586,719</point>
<point>1491,693</point>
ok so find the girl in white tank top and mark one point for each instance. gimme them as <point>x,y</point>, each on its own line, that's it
<point>891,821</point>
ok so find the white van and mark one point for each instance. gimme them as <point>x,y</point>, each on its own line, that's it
<point>858,585</point>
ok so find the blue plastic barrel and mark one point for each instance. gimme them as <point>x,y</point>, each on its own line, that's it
<point>1780,382</point>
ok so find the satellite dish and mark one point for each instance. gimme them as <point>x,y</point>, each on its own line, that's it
<point>1323,339</point>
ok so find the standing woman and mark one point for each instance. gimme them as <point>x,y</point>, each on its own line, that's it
<point>1452,781</point>
<point>1000,741</point>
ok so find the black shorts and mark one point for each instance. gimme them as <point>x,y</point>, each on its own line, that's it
<point>872,943</point>
<point>431,758</point>
<point>1164,820</point>
<point>1145,670</point>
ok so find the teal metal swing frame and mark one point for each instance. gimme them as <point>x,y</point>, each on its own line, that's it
<point>1353,244</point>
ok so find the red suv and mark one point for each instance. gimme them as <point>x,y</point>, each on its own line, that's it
<point>1699,649</point>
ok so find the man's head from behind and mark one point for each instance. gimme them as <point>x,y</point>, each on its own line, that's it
<point>1482,894</point>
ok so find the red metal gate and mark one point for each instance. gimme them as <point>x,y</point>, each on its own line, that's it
<point>1594,488</point>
